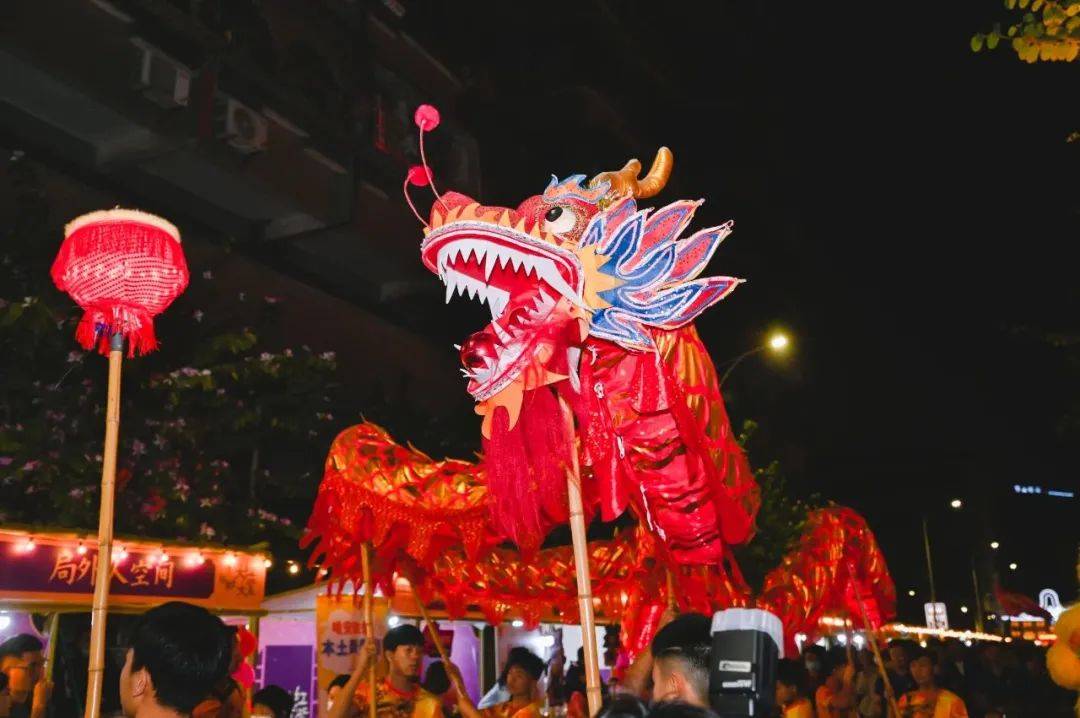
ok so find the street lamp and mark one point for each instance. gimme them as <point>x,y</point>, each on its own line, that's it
<point>777,343</point>
<point>956,503</point>
<point>994,545</point>
<point>911,593</point>
<point>1013,567</point>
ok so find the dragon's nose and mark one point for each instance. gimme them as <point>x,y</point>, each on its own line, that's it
<point>478,351</point>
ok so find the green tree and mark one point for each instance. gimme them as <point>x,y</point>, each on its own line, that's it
<point>1040,30</point>
<point>780,520</point>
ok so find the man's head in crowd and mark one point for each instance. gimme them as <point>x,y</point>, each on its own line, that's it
<point>22,660</point>
<point>436,680</point>
<point>814,659</point>
<point>271,702</point>
<point>177,653</point>
<point>922,667</point>
<point>334,689</point>
<point>836,665</point>
<point>681,660</point>
<point>899,656</point>
<point>404,649</point>
<point>792,682</point>
<point>522,670</point>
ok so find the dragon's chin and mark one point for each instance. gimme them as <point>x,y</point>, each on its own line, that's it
<point>533,288</point>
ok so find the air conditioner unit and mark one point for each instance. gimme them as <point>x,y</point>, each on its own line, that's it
<point>159,78</point>
<point>241,127</point>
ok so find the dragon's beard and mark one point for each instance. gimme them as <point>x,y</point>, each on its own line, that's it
<point>526,467</point>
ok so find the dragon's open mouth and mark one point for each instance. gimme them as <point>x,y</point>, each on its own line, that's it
<point>523,276</point>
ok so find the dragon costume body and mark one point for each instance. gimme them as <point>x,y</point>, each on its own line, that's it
<point>590,355</point>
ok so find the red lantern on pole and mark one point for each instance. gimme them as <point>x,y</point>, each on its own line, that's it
<point>123,267</point>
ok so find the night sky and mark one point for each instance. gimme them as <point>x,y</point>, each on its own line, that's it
<point>903,206</point>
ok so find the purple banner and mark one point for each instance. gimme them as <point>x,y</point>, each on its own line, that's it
<point>292,668</point>
<point>58,569</point>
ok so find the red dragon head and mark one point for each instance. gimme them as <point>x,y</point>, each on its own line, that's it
<point>579,260</point>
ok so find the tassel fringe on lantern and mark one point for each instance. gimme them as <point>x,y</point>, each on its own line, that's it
<point>98,325</point>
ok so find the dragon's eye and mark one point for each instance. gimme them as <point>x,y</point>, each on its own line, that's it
<point>559,220</point>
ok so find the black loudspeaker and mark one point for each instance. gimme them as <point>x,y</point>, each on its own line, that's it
<point>746,644</point>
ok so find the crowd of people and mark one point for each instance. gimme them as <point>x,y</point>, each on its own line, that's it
<point>179,658</point>
<point>938,679</point>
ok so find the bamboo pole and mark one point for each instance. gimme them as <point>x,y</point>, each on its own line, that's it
<point>100,610</point>
<point>929,561</point>
<point>581,567</point>
<point>849,650</point>
<point>434,631</point>
<point>890,696</point>
<point>50,654</point>
<point>979,625</point>
<point>672,602</point>
<point>253,658</point>
<point>369,622</point>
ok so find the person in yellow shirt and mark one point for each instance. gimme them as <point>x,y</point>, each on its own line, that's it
<point>520,675</point>
<point>927,700</point>
<point>399,694</point>
<point>792,686</point>
<point>835,698</point>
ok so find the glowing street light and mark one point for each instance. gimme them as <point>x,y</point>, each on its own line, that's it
<point>963,609</point>
<point>1013,567</point>
<point>956,503</point>
<point>994,545</point>
<point>778,343</point>
<point>911,593</point>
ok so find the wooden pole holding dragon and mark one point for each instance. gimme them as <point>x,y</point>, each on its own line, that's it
<point>369,620</point>
<point>581,569</point>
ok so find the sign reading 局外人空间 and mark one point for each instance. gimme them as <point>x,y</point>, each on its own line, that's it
<point>55,568</point>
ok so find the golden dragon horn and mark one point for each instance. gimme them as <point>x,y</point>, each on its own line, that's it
<point>625,182</point>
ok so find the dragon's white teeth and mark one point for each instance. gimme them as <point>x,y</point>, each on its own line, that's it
<point>548,272</point>
<point>573,358</point>
<point>503,335</point>
<point>457,346</point>
<point>498,301</point>
<point>449,289</point>
<point>489,263</point>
